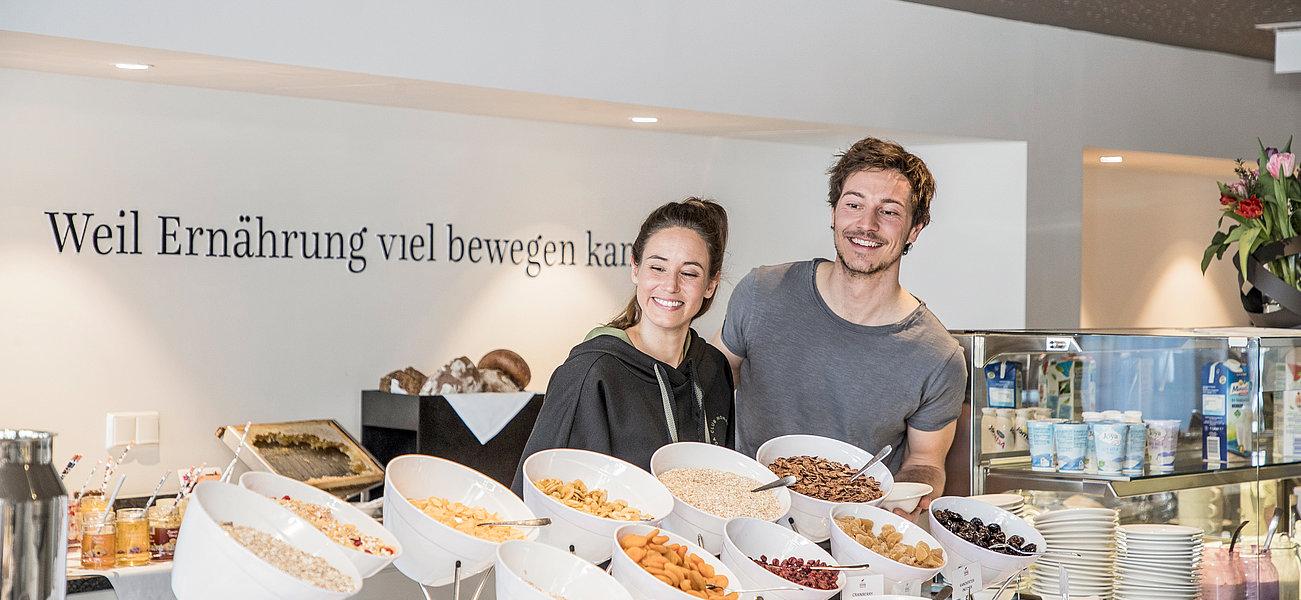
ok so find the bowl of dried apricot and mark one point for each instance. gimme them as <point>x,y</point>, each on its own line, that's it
<point>660,565</point>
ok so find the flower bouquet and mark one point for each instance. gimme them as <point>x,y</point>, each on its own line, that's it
<point>1263,208</point>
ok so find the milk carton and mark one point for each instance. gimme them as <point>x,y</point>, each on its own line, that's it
<point>1003,383</point>
<point>1287,405</point>
<point>1067,386</point>
<point>1226,396</point>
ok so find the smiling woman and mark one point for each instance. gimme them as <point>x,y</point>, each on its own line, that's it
<point>647,379</point>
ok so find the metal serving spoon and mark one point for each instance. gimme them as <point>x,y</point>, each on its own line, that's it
<point>880,456</point>
<point>786,481</point>
<point>543,522</point>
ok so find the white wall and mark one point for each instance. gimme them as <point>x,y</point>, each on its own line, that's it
<point>1144,234</point>
<point>210,341</point>
<point>871,63</point>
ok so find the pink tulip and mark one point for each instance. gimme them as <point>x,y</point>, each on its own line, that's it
<point>1281,165</point>
<point>1239,188</point>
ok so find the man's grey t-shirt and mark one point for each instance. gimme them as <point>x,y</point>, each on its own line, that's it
<point>809,371</point>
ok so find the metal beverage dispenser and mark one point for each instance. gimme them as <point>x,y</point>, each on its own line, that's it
<point>33,519</point>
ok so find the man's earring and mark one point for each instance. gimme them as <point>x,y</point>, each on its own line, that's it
<point>907,247</point>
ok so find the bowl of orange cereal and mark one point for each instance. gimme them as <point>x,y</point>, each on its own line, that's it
<point>588,496</point>
<point>437,510</point>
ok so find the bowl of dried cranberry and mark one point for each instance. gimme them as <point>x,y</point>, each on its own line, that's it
<point>968,528</point>
<point>368,544</point>
<point>763,554</point>
<point>824,466</point>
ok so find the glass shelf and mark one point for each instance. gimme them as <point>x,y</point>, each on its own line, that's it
<point>1186,475</point>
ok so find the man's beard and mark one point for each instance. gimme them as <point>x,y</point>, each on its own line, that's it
<point>871,269</point>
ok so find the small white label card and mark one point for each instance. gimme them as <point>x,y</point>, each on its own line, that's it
<point>909,588</point>
<point>860,584</point>
<point>965,579</point>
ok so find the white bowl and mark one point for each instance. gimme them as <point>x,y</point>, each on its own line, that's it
<point>278,486</point>
<point>691,522</point>
<point>745,539</point>
<point>905,496</point>
<point>810,513</point>
<point>644,586</point>
<point>432,549</point>
<point>994,566</point>
<point>848,551</point>
<point>589,535</point>
<point>522,565</point>
<point>211,565</point>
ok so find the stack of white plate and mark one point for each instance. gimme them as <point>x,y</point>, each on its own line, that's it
<point>1013,503</point>
<point>1082,541</point>
<point>1158,561</point>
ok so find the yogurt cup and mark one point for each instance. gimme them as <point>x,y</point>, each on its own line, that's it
<point>1135,449</point>
<point>1043,455</point>
<point>1071,441</point>
<point>1109,445</point>
<point>1162,441</point>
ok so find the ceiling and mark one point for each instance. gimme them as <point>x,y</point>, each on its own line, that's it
<point>1161,162</point>
<point>1219,25</point>
<point>96,59</point>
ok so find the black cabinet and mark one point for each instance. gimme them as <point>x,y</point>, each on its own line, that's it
<point>397,424</point>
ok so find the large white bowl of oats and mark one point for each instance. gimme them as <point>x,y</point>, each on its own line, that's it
<point>711,484</point>
<point>588,496</point>
<point>435,506</point>
<point>235,543</point>
<point>368,545</point>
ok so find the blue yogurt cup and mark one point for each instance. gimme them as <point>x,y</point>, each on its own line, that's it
<point>1071,441</point>
<point>1043,454</point>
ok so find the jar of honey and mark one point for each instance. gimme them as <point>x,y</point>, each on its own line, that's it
<point>98,540</point>
<point>164,527</point>
<point>132,537</point>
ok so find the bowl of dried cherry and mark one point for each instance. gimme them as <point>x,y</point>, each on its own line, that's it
<point>763,554</point>
<point>969,528</point>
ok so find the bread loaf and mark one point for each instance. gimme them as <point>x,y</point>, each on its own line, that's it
<point>510,364</point>
<point>496,381</point>
<point>457,377</point>
<point>406,381</point>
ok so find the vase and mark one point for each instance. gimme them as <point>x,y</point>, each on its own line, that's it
<point>1269,300</point>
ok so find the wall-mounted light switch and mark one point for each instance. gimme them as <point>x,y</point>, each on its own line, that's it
<point>139,428</point>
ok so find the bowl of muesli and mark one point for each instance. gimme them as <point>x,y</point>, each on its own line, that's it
<point>235,543</point>
<point>364,540</point>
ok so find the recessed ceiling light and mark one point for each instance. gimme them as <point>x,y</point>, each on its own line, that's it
<point>133,66</point>
<point>644,119</point>
<point>1111,159</point>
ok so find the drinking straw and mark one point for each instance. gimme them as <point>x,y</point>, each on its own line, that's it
<point>225,475</point>
<point>72,462</point>
<point>111,499</point>
<point>157,489</point>
<point>82,492</point>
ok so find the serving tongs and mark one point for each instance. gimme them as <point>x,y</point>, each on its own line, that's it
<point>542,522</point>
<point>786,481</point>
<point>880,456</point>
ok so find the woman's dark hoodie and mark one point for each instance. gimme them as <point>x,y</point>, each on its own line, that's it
<point>612,398</point>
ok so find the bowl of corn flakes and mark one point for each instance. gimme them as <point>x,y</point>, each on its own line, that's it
<point>588,496</point>
<point>436,508</point>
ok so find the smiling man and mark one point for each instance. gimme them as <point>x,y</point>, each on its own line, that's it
<point>840,348</point>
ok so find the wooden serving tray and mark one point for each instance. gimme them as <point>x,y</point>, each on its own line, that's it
<point>317,452</point>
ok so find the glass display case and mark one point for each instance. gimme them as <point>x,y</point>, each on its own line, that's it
<point>1220,410</point>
